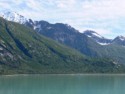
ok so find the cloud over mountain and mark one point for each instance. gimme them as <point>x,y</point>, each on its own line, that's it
<point>104,15</point>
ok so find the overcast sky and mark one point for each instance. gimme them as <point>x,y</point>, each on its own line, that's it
<point>107,17</point>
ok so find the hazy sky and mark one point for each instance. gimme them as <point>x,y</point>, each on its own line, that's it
<point>107,17</point>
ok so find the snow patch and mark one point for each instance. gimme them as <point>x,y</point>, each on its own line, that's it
<point>97,35</point>
<point>13,16</point>
<point>122,38</point>
<point>36,27</point>
<point>89,36</point>
<point>103,43</point>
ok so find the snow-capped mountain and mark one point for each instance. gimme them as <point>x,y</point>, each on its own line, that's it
<point>43,26</point>
<point>120,40</point>
<point>13,16</point>
<point>91,33</point>
<point>97,37</point>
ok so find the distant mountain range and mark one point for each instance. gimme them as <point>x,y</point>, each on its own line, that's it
<point>40,26</point>
<point>24,49</point>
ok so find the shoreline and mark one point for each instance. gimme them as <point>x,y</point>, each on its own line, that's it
<point>79,74</point>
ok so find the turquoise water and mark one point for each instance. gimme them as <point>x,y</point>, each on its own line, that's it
<point>62,84</point>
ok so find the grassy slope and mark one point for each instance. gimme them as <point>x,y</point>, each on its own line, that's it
<point>114,52</point>
<point>25,51</point>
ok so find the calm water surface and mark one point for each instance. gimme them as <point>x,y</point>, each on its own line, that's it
<point>62,84</point>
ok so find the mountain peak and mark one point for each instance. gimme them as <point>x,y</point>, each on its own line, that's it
<point>97,37</point>
<point>122,38</point>
<point>91,33</point>
<point>13,16</point>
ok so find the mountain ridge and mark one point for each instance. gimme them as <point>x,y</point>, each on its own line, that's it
<point>24,51</point>
<point>89,46</point>
<point>16,17</point>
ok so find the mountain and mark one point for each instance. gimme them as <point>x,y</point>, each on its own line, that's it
<point>56,31</point>
<point>13,16</point>
<point>120,40</point>
<point>41,26</point>
<point>96,37</point>
<point>67,35</point>
<point>89,43</point>
<point>24,51</point>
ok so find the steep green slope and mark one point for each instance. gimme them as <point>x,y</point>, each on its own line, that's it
<point>112,51</point>
<point>69,36</point>
<point>24,51</point>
